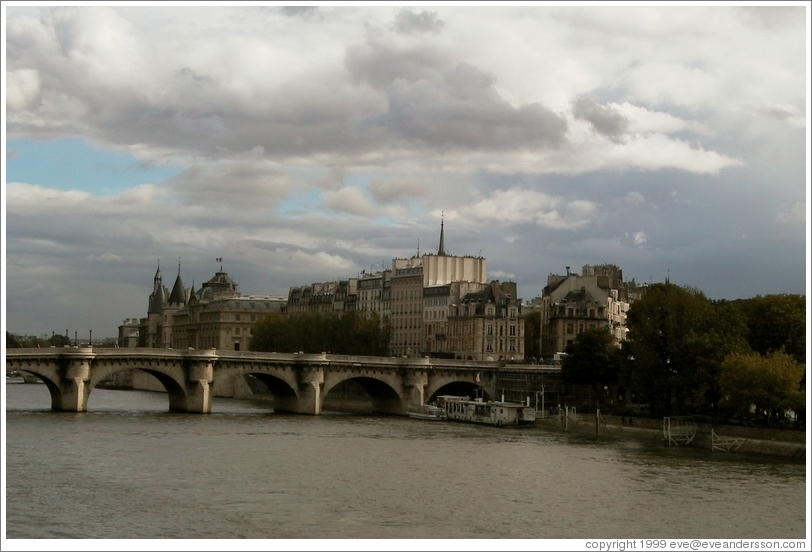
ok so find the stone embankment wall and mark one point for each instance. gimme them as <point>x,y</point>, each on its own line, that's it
<point>783,443</point>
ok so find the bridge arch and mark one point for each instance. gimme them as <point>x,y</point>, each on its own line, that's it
<point>169,374</point>
<point>280,381</point>
<point>382,388</point>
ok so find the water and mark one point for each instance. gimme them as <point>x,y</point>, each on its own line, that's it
<point>129,469</point>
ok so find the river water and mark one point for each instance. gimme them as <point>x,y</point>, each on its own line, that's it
<point>129,469</point>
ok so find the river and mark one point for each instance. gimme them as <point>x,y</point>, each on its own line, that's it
<point>129,469</point>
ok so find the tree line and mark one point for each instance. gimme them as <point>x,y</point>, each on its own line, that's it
<point>686,354</point>
<point>349,333</point>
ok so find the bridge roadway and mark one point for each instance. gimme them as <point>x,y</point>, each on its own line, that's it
<point>299,382</point>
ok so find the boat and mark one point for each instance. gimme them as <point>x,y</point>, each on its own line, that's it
<point>479,411</point>
<point>426,412</point>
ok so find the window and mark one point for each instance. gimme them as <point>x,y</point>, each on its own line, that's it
<point>490,329</point>
<point>570,328</point>
<point>512,330</point>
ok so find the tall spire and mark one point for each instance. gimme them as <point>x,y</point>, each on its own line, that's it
<point>441,249</point>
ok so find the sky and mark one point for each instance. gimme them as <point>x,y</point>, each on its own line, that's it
<point>307,144</point>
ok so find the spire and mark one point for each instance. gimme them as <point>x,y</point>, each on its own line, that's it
<point>157,280</point>
<point>178,294</point>
<point>441,249</point>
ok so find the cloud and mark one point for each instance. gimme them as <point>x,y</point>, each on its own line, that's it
<point>605,120</point>
<point>793,215</point>
<point>462,109</point>
<point>311,143</point>
<point>105,258</point>
<point>349,200</point>
<point>22,89</point>
<point>397,190</point>
<point>634,198</point>
<point>637,238</point>
<point>408,22</point>
<point>381,60</point>
<point>517,206</point>
<point>245,185</point>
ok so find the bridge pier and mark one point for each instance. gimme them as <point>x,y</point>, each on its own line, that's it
<point>311,382</point>
<point>414,386</point>
<point>73,388</point>
<point>199,385</point>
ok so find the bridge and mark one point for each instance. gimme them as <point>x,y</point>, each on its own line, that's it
<point>298,382</point>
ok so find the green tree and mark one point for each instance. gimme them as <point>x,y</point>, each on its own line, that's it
<point>11,341</point>
<point>349,333</point>
<point>592,359</point>
<point>775,323</point>
<point>667,342</point>
<point>771,383</point>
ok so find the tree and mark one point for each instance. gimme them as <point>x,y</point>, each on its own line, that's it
<point>11,341</point>
<point>771,383</point>
<point>775,323</point>
<point>349,333</point>
<point>667,342</point>
<point>592,359</point>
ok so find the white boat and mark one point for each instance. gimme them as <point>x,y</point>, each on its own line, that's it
<point>479,411</point>
<point>425,412</point>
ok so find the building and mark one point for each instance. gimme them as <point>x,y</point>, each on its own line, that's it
<point>156,329</point>
<point>574,303</point>
<point>417,292</point>
<point>128,333</point>
<point>374,294</point>
<point>215,316</point>
<point>323,298</point>
<point>438,301</point>
<point>423,290</point>
<point>406,307</point>
<point>487,324</point>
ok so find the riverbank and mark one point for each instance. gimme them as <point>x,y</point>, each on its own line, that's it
<point>781,443</point>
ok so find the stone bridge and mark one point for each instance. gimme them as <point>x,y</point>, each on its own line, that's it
<point>298,382</point>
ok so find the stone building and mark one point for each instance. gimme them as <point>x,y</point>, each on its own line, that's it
<point>156,329</point>
<point>406,307</point>
<point>215,316</point>
<point>487,324</point>
<point>128,332</point>
<point>374,294</point>
<point>438,301</point>
<point>573,303</point>
<point>423,289</point>
<point>323,297</point>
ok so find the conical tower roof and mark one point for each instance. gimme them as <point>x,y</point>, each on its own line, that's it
<point>156,300</point>
<point>178,294</point>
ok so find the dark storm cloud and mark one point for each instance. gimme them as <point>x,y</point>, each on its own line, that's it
<point>408,22</point>
<point>604,120</point>
<point>462,109</point>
